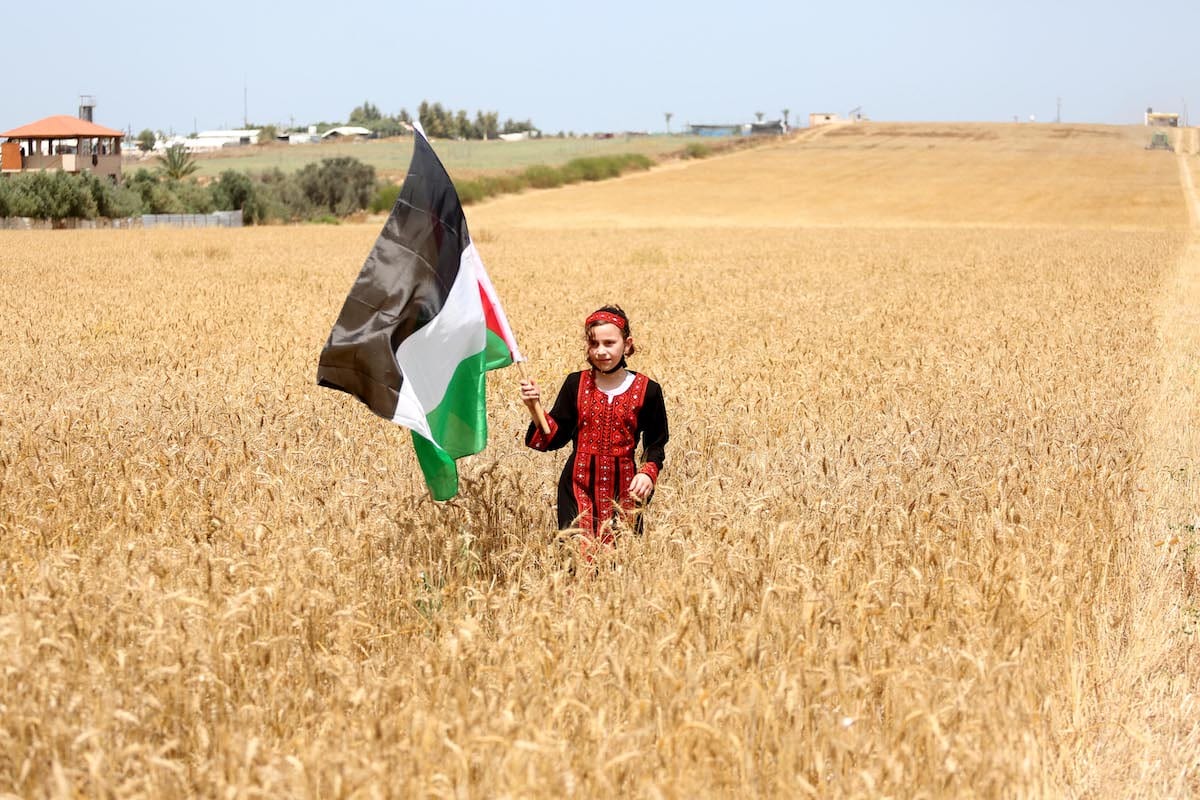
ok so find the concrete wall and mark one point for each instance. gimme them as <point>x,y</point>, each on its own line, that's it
<point>70,162</point>
<point>219,219</point>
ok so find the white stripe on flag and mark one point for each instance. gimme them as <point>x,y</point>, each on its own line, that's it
<point>429,357</point>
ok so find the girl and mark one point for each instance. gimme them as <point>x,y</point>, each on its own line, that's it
<point>604,411</point>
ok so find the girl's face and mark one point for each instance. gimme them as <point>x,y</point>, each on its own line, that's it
<point>606,346</point>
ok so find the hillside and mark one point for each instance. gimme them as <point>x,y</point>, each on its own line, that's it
<point>881,174</point>
<point>463,159</point>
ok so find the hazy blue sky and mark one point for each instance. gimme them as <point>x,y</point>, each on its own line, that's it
<point>615,65</point>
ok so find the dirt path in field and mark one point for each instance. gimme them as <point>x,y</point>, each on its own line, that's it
<point>1147,718</point>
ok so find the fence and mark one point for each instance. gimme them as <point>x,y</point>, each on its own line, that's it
<point>218,219</point>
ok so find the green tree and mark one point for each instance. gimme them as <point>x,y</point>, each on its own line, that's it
<point>50,195</point>
<point>156,196</point>
<point>177,163</point>
<point>146,140</point>
<point>485,125</point>
<point>267,134</point>
<point>517,126</point>
<point>462,126</point>
<point>194,198</point>
<point>282,196</point>
<point>112,201</point>
<point>435,120</point>
<point>339,186</point>
<point>234,191</point>
<point>361,115</point>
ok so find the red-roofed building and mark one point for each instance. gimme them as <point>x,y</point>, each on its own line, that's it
<point>62,143</point>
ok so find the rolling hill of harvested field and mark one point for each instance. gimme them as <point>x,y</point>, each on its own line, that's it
<point>929,523</point>
<point>887,175</point>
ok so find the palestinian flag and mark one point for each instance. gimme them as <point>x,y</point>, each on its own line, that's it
<point>421,326</point>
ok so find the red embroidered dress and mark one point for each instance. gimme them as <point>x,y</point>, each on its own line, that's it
<point>594,486</point>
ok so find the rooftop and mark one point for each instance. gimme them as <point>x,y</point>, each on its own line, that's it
<point>61,127</point>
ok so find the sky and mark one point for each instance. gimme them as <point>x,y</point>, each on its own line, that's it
<point>588,67</point>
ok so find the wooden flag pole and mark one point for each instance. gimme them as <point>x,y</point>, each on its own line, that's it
<point>534,406</point>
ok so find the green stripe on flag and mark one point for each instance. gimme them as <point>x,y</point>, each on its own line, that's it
<point>496,353</point>
<point>458,425</point>
<point>441,475</point>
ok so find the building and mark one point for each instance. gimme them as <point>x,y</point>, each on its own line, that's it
<point>62,143</point>
<point>297,137</point>
<point>718,129</point>
<point>773,127</point>
<point>207,141</point>
<point>1161,119</point>
<point>347,132</point>
<point>822,118</point>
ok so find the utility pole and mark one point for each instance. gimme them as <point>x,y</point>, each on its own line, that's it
<point>1058,113</point>
<point>245,104</point>
<point>668,115</point>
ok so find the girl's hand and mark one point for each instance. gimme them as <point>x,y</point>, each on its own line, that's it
<point>530,393</point>
<point>640,487</point>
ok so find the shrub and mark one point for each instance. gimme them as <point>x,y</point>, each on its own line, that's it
<point>339,185</point>
<point>159,199</point>
<point>271,186</point>
<point>234,191</point>
<point>635,162</point>
<point>697,150</point>
<point>541,176</point>
<point>385,197</point>
<point>502,184</point>
<point>594,168</point>
<point>282,197</point>
<point>470,192</point>
<point>112,201</point>
<point>50,195</point>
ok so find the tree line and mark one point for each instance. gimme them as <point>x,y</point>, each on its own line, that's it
<point>335,188</point>
<point>438,121</point>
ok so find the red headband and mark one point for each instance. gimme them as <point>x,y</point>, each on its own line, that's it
<point>603,317</point>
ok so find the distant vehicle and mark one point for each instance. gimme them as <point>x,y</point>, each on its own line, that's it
<point>1160,141</point>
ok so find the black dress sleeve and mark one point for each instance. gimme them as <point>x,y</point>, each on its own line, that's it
<point>652,422</point>
<point>563,418</point>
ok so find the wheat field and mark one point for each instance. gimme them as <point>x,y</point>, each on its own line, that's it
<point>928,525</point>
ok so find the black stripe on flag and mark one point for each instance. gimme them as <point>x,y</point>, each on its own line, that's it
<point>401,287</point>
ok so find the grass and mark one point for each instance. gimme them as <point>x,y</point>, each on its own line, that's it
<point>464,159</point>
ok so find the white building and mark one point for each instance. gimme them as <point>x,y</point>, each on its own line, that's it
<point>205,141</point>
<point>296,137</point>
<point>346,132</point>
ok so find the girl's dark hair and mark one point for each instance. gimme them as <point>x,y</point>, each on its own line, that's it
<point>625,331</point>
